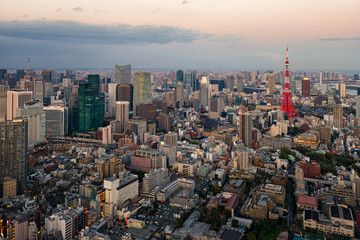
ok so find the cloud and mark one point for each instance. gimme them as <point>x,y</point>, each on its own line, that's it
<point>273,56</point>
<point>58,9</point>
<point>78,9</point>
<point>335,39</point>
<point>120,34</point>
<point>184,2</point>
<point>156,10</point>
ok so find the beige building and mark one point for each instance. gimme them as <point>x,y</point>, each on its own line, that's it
<point>275,192</point>
<point>9,187</point>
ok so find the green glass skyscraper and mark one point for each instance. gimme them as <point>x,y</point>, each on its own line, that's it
<point>142,89</point>
<point>88,115</point>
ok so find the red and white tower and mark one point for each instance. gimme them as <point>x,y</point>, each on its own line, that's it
<point>286,104</point>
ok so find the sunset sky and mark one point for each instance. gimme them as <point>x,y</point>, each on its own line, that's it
<point>189,34</point>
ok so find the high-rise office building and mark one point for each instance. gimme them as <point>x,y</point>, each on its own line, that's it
<point>56,121</point>
<point>33,112</point>
<point>16,99</point>
<point>189,79</point>
<point>358,106</point>
<point>215,107</point>
<point>88,115</point>
<point>164,122</point>
<point>3,105</point>
<point>122,111</point>
<point>245,128</point>
<point>229,83</point>
<point>338,116</point>
<point>271,84</point>
<point>122,74</point>
<point>179,76</point>
<point>204,91</point>
<point>239,83</point>
<point>306,87</point>
<point>342,90</point>
<point>13,152</point>
<point>112,92</point>
<point>331,98</point>
<point>125,92</point>
<point>180,93</point>
<point>142,89</point>
<point>38,89</point>
<point>147,111</point>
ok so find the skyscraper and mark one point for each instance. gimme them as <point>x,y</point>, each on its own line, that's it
<point>240,83</point>
<point>122,74</point>
<point>34,113</point>
<point>271,84</point>
<point>88,115</point>
<point>180,93</point>
<point>342,89</point>
<point>242,159</point>
<point>179,76</point>
<point>215,107</point>
<point>204,91</point>
<point>142,89</point>
<point>358,106</point>
<point>245,128</point>
<point>39,89</point>
<point>16,99</point>
<point>338,116</point>
<point>305,87</point>
<point>122,111</point>
<point>13,152</point>
<point>112,92</point>
<point>56,121</point>
<point>125,92</point>
<point>229,83</point>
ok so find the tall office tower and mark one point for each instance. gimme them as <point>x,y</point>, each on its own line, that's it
<point>112,92</point>
<point>325,134</point>
<point>20,73</point>
<point>88,115</point>
<point>123,74</point>
<point>229,83</point>
<point>242,159</point>
<point>170,99</point>
<point>3,73</point>
<point>34,113</point>
<point>125,92</point>
<point>142,89</point>
<point>271,84</point>
<point>204,91</point>
<point>321,78</point>
<point>47,74</point>
<point>70,73</point>
<point>164,122</point>
<point>122,111</point>
<point>331,98</point>
<point>247,76</point>
<point>56,121</point>
<point>3,106</point>
<point>338,116</point>
<point>38,89</point>
<point>179,77</point>
<point>189,78</point>
<point>305,87</point>
<point>245,128</point>
<point>157,177</point>
<point>239,83</point>
<point>171,139</point>
<point>180,93</point>
<point>253,76</point>
<point>358,106</point>
<point>286,103</point>
<point>215,107</point>
<point>342,89</point>
<point>13,152</point>
<point>16,99</point>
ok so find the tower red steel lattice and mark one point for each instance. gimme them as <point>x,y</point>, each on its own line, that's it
<point>286,103</point>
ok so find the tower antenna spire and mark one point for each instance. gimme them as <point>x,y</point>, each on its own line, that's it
<point>286,104</point>
<point>28,61</point>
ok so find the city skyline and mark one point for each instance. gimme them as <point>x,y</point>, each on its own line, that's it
<point>239,35</point>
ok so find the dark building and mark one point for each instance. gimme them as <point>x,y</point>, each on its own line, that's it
<point>13,152</point>
<point>3,73</point>
<point>147,111</point>
<point>220,83</point>
<point>179,76</point>
<point>311,170</point>
<point>88,115</point>
<point>125,92</point>
<point>164,122</point>
<point>306,87</point>
<point>20,73</point>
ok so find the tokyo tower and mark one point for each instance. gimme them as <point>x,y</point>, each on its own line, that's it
<point>286,104</point>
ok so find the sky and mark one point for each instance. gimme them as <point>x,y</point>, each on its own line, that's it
<point>181,34</point>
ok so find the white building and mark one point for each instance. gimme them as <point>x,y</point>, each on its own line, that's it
<point>56,121</point>
<point>16,99</point>
<point>122,111</point>
<point>60,222</point>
